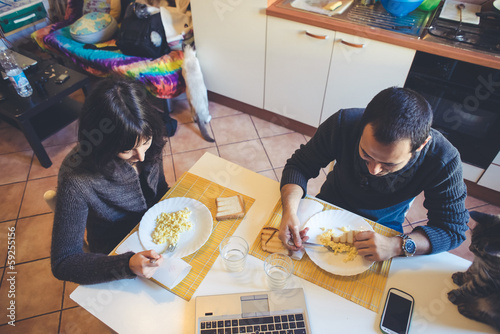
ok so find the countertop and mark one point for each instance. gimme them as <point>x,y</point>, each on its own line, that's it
<point>430,45</point>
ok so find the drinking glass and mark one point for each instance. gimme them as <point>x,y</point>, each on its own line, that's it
<point>278,268</point>
<point>234,251</point>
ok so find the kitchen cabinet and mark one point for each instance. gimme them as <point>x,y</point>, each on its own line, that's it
<point>297,63</point>
<point>312,72</point>
<point>360,68</point>
<point>490,178</point>
<point>230,37</point>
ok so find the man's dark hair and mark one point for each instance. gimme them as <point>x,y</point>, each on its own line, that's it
<point>398,114</point>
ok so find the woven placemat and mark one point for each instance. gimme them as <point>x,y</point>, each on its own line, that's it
<point>365,289</point>
<point>204,191</point>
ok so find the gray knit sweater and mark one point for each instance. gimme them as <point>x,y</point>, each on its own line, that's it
<point>436,170</point>
<point>109,206</point>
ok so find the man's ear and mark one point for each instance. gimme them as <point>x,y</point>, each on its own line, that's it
<point>423,144</point>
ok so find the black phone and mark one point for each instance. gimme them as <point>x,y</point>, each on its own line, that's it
<point>397,313</point>
<point>62,78</point>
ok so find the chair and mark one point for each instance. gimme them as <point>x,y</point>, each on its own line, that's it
<point>50,198</point>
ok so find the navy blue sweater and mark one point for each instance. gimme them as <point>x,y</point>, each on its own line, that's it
<point>436,170</point>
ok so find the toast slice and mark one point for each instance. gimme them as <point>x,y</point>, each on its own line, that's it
<point>230,207</point>
<point>271,243</point>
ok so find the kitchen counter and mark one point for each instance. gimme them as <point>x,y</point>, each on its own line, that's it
<point>429,45</point>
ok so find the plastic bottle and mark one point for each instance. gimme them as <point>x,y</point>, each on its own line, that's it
<point>15,73</point>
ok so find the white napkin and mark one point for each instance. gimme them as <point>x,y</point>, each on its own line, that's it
<point>307,209</point>
<point>171,271</point>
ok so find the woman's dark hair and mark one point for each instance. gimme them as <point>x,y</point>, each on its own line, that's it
<point>115,115</point>
<point>398,114</point>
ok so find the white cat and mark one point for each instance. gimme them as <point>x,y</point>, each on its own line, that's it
<point>196,91</point>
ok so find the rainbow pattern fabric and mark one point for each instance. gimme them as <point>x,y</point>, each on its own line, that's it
<point>162,76</point>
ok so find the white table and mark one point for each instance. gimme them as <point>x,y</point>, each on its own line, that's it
<point>140,306</point>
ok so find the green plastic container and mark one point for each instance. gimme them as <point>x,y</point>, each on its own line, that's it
<point>429,5</point>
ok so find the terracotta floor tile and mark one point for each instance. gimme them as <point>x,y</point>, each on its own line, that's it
<point>33,203</point>
<point>15,166</point>
<point>57,154</point>
<point>188,138</point>
<point>168,169</point>
<point>490,209</point>
<point>66,136</point>
<point>167,150</point>
<point>44,324</point>
<point>407,228</point>
<point>78,96</point>
<point>69,287</point>
<point>10,200</point>
<point>37,291</point>
<point>33,235</point>
<point>233,129</point>
<point>78,320</point>
<point>472,202</point>
<point>181,111</point>
<point>280,148</point>
<point>269,173</point>
<point>6,230</point>
<point>314,185</point>
<point>278,172</point>
<point>184,161</point>
<point>12,140</point>
<point>218,110</point>
<point>267,129</point>
<point>248,154</point>
<point>463,250</point>
<point>417,211</point>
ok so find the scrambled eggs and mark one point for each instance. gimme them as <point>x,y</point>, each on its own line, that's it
<point>338,247</point>
<point>169,226</point>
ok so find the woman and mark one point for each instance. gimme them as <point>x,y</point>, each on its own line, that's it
<point>107,183</point>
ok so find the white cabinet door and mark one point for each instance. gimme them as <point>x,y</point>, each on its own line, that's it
<point>296,69</point>
<point>360,69</point>
<point>230,37</point>
<point>491,178</point>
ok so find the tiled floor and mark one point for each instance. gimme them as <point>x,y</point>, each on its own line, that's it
<point>42,302</point>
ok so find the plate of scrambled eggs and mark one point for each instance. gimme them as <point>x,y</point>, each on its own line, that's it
<point>333,224</point>
<point>177,220</point>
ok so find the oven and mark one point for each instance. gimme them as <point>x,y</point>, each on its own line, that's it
<point>465,99</point>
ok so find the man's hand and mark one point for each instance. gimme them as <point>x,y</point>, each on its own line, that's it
<point>376,247</point>
<point>142,265</point>
<point>289,233</point>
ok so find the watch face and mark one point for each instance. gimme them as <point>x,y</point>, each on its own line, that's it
<point>410,246</point>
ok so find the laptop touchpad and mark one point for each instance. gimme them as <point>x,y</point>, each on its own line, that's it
<point>254,304</point>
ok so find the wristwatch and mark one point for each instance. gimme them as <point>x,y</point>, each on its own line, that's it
<point>409,246</point>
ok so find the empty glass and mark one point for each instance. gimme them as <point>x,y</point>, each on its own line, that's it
<point>234,251</point>
<point>278,268</point>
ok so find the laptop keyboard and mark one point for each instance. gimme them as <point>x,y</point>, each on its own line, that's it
<point>278,324</point>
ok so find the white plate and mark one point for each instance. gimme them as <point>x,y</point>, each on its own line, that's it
<point>496,4</point>
<point>324,258</point>
<point>189,241</point>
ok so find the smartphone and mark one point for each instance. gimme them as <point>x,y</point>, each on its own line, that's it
<point>397,312</point>
<point>62,78</point>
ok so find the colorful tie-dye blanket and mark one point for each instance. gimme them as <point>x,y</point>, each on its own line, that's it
<point>162,76</point>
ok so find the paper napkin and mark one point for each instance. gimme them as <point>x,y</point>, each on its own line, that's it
<point>307,209</point>
<point>171,271</point>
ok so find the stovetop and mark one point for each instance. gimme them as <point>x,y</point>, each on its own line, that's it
<point>483,37</point>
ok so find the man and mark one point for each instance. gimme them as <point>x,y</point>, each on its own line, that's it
<point>384,156</point>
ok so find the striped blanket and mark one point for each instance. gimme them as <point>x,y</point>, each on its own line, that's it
<point>162,76</point>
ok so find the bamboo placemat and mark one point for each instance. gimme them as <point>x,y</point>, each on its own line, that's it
<point>205,191</point>
<point>365,289</point>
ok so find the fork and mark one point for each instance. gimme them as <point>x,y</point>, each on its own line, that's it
<point>169,249</point>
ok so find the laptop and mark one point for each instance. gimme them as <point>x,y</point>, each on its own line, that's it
<point>276,312</point>
<point>23,62</point>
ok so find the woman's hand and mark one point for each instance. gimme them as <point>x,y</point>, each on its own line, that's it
<point>142,265</point>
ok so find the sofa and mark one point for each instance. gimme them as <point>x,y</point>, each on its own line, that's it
<point>162,76</point>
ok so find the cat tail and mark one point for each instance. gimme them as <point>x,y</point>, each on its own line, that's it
<point>204,130</point>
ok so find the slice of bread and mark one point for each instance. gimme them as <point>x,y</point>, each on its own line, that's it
<point>230,207</point>
<point>271,242</point>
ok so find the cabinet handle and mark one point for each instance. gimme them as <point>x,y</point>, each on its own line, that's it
<point>316,36</point>
<point>359,46</point>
